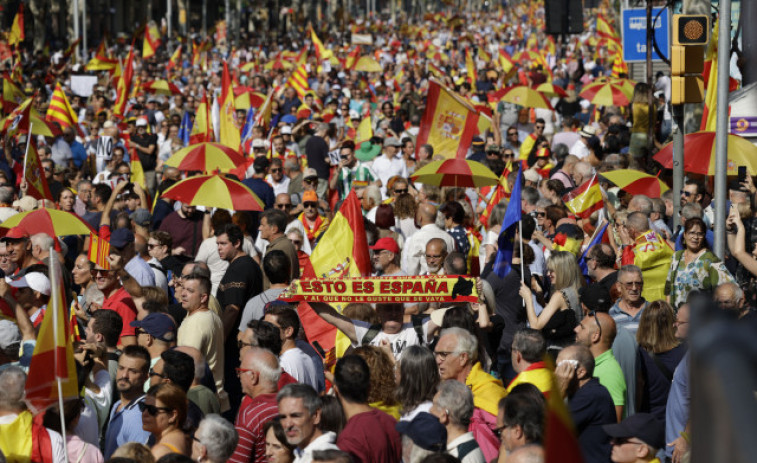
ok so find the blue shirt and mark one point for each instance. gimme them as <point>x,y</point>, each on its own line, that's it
<point>79,154</point>
<point>140,271</point>
<point>124,426</point>
<point>624,319</point>
<point>677,410</point>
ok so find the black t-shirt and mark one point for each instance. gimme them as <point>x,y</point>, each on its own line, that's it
<point>317,151</point>
<point>592,407</point>
<point>148,161</point>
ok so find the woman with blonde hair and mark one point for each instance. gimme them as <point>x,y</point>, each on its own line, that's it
<point>657,358</point>
<point>164,411</point>
<point>563,310</point>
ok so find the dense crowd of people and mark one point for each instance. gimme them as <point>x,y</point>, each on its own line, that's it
<point>188,354</point>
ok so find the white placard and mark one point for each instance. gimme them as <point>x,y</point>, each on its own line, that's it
<point>83,85</point>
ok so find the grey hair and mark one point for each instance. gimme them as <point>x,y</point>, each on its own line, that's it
<point>466,342</point>
<point>498,214</point>
<point>373,192</point>
<point>43,240</point>
<point>292,164</point>
<point>6,195</point>
<point>12,382</point>
<point>691,210</point>
<point>457,400</point>
<point>634,269</point>
<point>310,399</point>
<point>639,221</point>
<point>583,168</point>
<point>219,437</point>
<point>642,203</point>
<point>296,231</point>
<point>271,375</point>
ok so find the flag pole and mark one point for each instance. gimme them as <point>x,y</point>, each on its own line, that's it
<point>28,140</point>
<point>56,302</point>
<point>522,271</point>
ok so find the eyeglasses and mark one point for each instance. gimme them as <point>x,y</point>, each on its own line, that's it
<point>283,206</point>
<point>152,410</point>
<point>593,313</point>
<point>278,169</point>
<point>510,134</point>
<point>695,234</point>
<point>492,153</point>
<point>632,284</point>
<point>507,155</point>
<point>153,245</point>
<point>95,271</point>
<point>154,373</point>
<point>311,180</point>
<point>400,191</point>
<point>498,431</point>
<point>241,344</point>
<point>685,193</point>
<point>444,354</point>
<point>541,214</point>
<point>310,204</point>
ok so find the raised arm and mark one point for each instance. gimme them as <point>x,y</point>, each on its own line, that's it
<point>331,316</point>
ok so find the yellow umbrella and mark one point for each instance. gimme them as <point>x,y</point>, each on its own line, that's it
<point>215,191</point>
<point>636,182</point>
<point>205,157</point>
<point>161,87</point>
<point>247,100</point>
<point>278,64</point>
<point>50,221</point>
<point>526,97</point>
<point>368,64</point>
<point>455,172</point>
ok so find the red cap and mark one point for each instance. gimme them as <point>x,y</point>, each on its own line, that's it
<point>17,233</point>
<point>386,244</point>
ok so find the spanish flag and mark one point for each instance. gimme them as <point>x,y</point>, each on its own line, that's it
<point>585,199</point>
<point>364,132</point>
<point>53,358</point>
<point>99,250</point>
<point>102,60</point>
<point>175,60</point>
<point>470,66</point>
<point>60,110</point>
<point>202,130</point>
<point>352,58</point>
<point>123,86</point>
<point>229,130</point>
<point>17,34</point>
<point>18,120</point>
<point>263,117</point>
<point>710,74</point>
<point>34,175</point>
<point>12,96</point>
<point>151,41</point>
<point>449,122</point>
<point>321,52</point>
<point>341,252</point>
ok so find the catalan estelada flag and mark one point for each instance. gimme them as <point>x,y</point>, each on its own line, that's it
<point>17,34</point>
<point>60,110</point>
<point>53,358</point>
<point>448,124</point>
<point>99,250</point>
<point>34,176</point>
<point>341,252</point>
<point>229,130</point>
<point>584,199</point>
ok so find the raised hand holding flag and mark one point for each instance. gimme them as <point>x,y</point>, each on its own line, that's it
<point>506,241</point>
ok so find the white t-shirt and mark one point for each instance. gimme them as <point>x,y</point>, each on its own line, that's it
<point>300,366</point>
<point>96,409</point>
<point>399,341</point>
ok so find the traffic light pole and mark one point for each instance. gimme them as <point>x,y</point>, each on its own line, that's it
<point>678,135</point>
<point>721,132</point>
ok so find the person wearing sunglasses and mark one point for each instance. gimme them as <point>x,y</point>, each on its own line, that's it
<point>589,402</point>
<point>315,223</point>
<point>636,439</point>
<point>597,332</point>
<point>276,177</point>
<point>351,171</point>
<point>164,411</point>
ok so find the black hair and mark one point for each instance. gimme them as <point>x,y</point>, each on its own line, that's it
<point>277,267</point>
<point>179,368</point>
<point>353,379</point>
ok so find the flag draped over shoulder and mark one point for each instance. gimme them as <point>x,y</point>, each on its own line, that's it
<point>449,122</point>
<point>506,242</point>
<point>229,131</point>
<point>342,251</point>
<point>585,199</point>
<point>53,358</point>
<point>34,176</point>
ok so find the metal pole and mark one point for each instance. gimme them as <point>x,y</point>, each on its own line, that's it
<point>76,31</point>
<point>227,4</point>
<point>204,19</point>
<point>678,135</point>
<point>650,100</point>
<point>238,24</point>
<point>169,16</point>
<point>85,49</point>
<point>721,131</point>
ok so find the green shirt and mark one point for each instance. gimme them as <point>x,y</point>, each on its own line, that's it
<point>359,176</point>
<point>607,371</point>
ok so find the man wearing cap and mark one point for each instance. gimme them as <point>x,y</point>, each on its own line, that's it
<point>351,173</point>
<point>589,402</point>
<point>33,293</point>
<point>477,152</point>
<point>386,258</point>
<point>19,247</point>
<point>389,164</point>
<point>580,148</point>
<point>636,439</point>
<point>156,333</point>
<point>315,223</point>
<point>146,146</point>
<point>597,332</point>
<point>116,297</point>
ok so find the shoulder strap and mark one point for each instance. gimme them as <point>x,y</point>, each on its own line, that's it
<point>373,331</point>
<point>418,327</point>
<point>661,366</point>
<point>465,448</point>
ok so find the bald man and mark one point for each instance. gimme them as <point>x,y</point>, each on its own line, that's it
<point>531,453</point>
<point>597,332</point>
<point>413,254</point>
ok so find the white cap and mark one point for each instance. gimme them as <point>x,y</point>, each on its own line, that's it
<point>258,143</point>
<point>286,130</point>
<point>34,280</point>
<point>354,114</point>
<point>142,122</point>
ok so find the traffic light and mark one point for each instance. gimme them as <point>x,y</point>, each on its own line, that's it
<point>690,36</point>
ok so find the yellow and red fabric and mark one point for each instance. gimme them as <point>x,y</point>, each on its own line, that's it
<point>585,199</point>
<point>151,41</point>
<point>636,182</point>
<point>527,97</point>
<point>229,127</point>
<point>700,154</point>
<point>605,94</point>
<point>59,110</point>
<point>123,87</point>
<point>455,172</point>
<point>17,34</point>
<point>449,122</point>
<point>34,176</point>
<point>160,87</point>
<point>205,157</point>
<point>537,374</point>
<point>175,60</point>
<point>53,222</point>
<point>99,250</point>
<point>215,191</point>
<point>202,131</point>
<point>652,255</point>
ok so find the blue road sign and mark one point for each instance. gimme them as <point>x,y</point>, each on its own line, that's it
<point>634,30</point>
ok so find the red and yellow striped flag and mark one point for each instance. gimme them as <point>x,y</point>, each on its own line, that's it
<point>229,130</point>
<point>585,199</point>
<point>53,357</point>
<point>99,250</point>
<point>17,34</point>
<point>60,110</point>
<point>299,80</point>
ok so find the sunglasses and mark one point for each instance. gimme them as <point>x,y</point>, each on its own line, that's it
<point>541,214</point>
<point>152,410</point>
<point>283,206</point>
<point>593,313</point>
<point>96,271</point>
<point>241,344</point>
<point>400,191</point>
<point>278,169</point>
<point>310,204</point>
<point>311,180</point>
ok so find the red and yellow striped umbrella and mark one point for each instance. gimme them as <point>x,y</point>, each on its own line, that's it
<point>549,89</point>
<point>605,94</point>
<point>215,190</point>
<point>699,154</point>
<point>205,157</point>
<point>247,100</point>
<point>50,221</point>
<point>636,182</point>
<point>455,172</point>
<point>161,87</point>
<point>527,97</point>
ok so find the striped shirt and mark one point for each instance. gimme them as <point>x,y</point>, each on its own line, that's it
<point>359,176</point>
<point>625,319</point>
<point>253,414</point>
